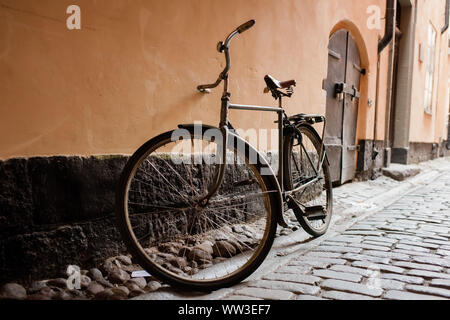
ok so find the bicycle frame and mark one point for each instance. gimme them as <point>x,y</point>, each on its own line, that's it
<point>280,112</point>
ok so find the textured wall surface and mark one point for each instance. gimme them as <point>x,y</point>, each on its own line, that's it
<point>430,127</point>
<point>56,211</point>
<point>131,71</point>
<point>59,211</point>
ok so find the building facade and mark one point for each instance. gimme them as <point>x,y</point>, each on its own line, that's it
<point>76,102</point>
<point>420,104</point>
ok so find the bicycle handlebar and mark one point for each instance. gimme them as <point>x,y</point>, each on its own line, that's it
<point>246,26</point>
<point>223,47</point>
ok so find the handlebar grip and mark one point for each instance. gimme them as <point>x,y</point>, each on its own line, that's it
<point>246,26</point>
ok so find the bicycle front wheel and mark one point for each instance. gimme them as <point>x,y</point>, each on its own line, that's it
<point>173,233</point>
<point>304,167</point>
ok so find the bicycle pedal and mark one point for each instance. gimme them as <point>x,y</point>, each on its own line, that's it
<point>312,212</point>
<point>315,212</point>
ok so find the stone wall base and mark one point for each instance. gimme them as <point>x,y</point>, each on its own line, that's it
<point>419,152</point>
<point>60,210</point>
<point>416,153</point>
<point>57,211</point>
<point>370,161</point>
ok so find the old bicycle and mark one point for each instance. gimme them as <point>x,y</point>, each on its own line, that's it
<point>198,207</point>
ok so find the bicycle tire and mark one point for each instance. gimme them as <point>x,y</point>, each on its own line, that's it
<point>306,131</point>
<point>175,280</point>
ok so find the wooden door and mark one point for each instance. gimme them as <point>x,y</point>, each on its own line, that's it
<point>342,86</point>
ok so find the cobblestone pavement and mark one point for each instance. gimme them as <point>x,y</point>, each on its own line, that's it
<point>389,240</point>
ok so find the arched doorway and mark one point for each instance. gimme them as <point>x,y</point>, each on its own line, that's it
<point>343,91</point>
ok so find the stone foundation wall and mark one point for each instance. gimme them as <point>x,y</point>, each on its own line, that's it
<point>60,210</point>
<point>420,152</point>
<point>366,167</point>
<point>56,211</point>
<point>443,151</point>
<point>416,153</point>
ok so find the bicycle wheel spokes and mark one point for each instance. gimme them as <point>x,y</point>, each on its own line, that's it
<point>306,167</point>
<point>184,239</point>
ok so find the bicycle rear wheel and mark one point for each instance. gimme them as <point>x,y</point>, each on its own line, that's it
<point>179,239</point>
<point>302,151</point>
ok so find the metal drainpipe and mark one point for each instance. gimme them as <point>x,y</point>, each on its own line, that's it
<point>390,22</point>
<point>382,44</point>
<point>447,9</point>
<point>447,13</point>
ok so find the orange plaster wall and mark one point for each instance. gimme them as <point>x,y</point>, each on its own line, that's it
<point>131,72</point>
<point>442,102</point>
<point>430,127</point>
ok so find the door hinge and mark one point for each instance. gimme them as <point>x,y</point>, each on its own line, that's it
<point>343,88</point>
<point>353,148</point>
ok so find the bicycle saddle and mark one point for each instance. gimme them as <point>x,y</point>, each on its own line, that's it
<point>274,84</point>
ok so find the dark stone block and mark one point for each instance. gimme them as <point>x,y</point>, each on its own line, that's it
<point>98,195</point>
<point>416,153</point>
<point>73,189</point>
<point>103,241</point>
<point>400,155</point>
<point>445,148</point>
<point>41,254</point>
<point>56,189</point>
<point>57,211</point>
<point>15,197</point>
<point>363,158</point>
<point>370,161</point>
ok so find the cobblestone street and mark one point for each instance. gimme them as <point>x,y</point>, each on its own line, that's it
<point>402,252</point>
<point>388,240</point>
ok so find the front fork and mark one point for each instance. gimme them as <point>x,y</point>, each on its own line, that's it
<point>222,156</point>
